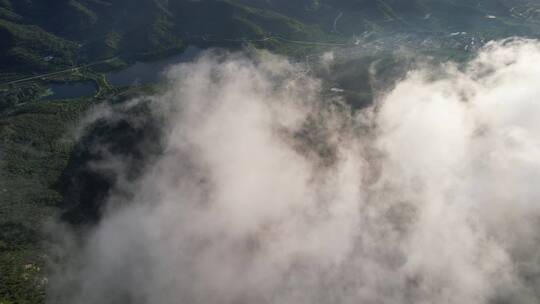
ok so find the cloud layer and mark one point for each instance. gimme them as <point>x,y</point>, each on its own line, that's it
<point>267,193</point>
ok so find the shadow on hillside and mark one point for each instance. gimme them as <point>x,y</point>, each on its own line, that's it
<point>92,175</point>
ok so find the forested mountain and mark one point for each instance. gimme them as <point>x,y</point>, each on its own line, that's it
<point>83,30</point>
<point>74,31</point>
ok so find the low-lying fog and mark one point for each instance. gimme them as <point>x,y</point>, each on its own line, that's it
<point>268,193</point>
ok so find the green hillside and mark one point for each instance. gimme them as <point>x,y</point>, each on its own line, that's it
<point>43,34</point>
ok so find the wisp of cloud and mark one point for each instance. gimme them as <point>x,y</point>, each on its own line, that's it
<point>266,192</point>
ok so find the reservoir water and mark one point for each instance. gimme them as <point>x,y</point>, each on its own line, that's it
<point>149,72</point>
<point>71,90</point>
<point>136,74</point>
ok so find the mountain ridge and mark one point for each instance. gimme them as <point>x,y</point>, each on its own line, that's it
<point>74,31</point>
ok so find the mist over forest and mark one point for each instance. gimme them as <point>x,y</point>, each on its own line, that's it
<point>253,151</point>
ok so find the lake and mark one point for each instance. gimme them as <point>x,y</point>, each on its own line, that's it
<point>71,90</point>
<point>149,72</point>
<point>137,73</point>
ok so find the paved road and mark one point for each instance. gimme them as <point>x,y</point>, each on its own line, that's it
<point>57,72</point>
<point>336,22</point>
<point>267,38</point>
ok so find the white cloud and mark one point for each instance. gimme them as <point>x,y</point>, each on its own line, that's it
<point>266,193</point>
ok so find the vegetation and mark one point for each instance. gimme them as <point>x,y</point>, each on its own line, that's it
<point>41,169</point>
<point>34,152</point>
<point>43,35</point>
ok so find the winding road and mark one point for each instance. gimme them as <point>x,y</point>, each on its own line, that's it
<point>57,72</point>
<point>336,22</point>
